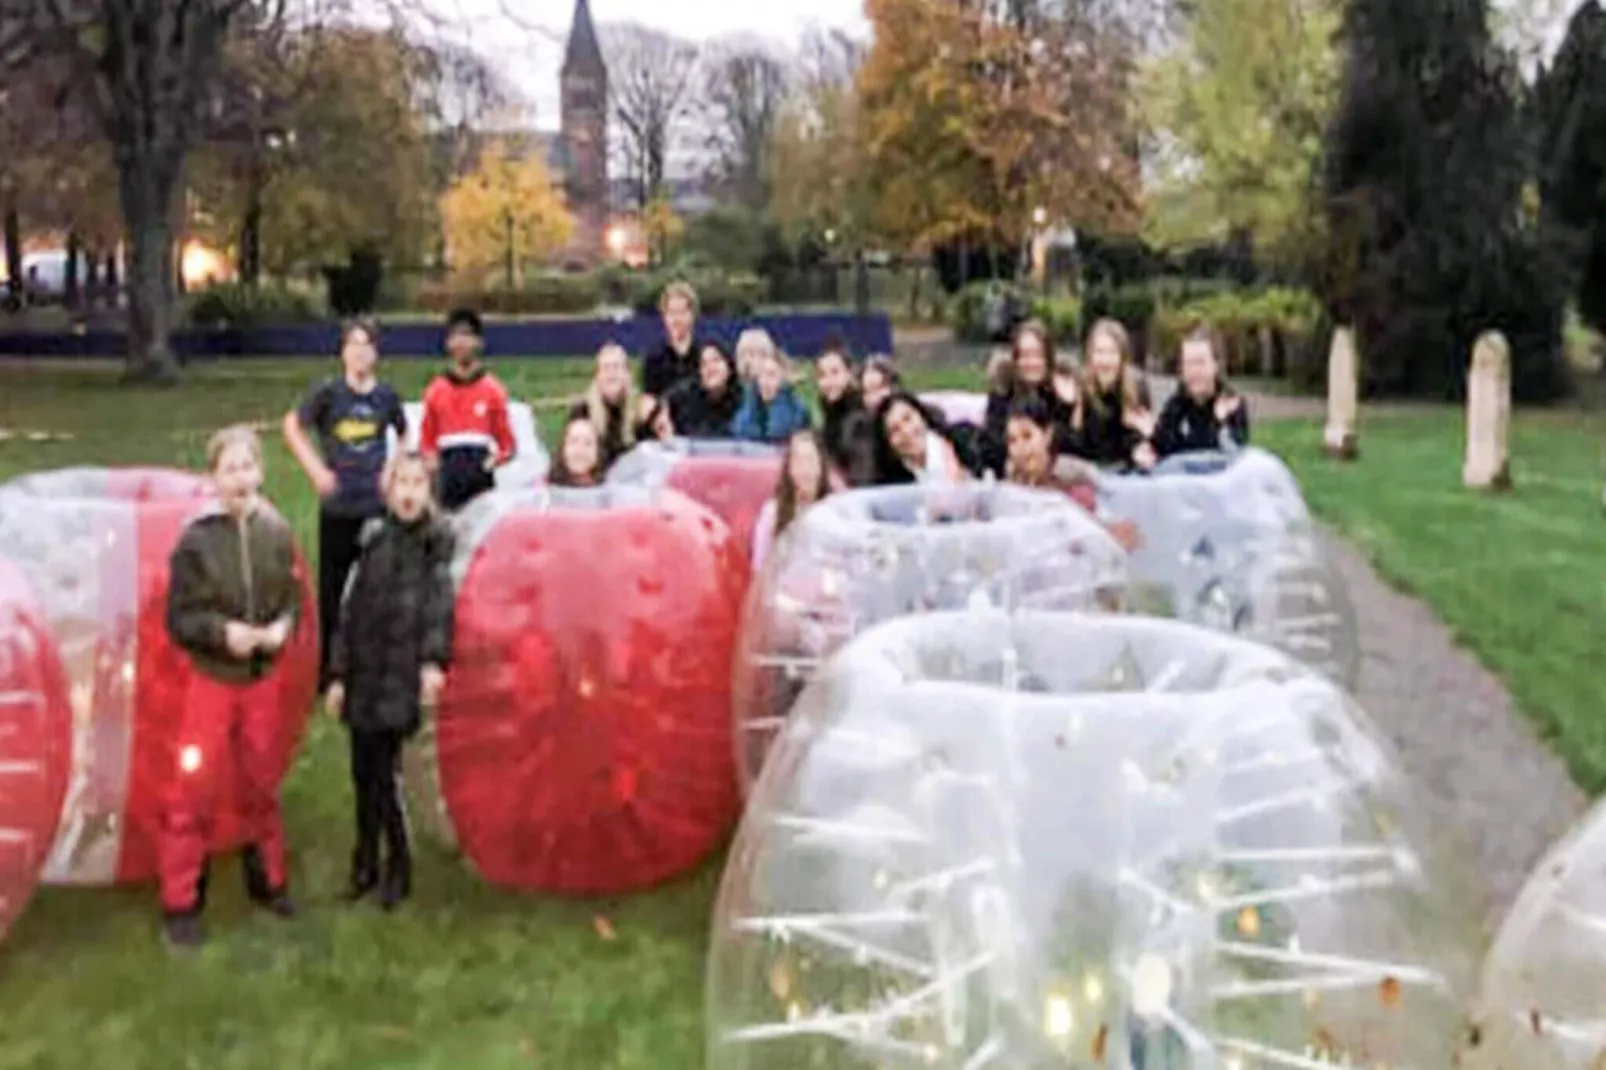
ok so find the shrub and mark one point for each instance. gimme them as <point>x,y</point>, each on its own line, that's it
<point>1062,316</point>
<point>718,293</point>
<point>542,295</point>
<point>1257,329</point>
<point>233,304</point>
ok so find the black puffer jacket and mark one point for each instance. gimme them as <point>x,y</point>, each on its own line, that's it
<point>395,619</point>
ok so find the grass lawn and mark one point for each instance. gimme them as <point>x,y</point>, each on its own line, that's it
<point>465,977</point>
<point>1518,577</point>
<point>471,977</point>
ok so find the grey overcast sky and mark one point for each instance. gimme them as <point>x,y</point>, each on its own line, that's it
<point>524,38</point>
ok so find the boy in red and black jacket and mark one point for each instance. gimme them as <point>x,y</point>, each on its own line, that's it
<point>465,433</point>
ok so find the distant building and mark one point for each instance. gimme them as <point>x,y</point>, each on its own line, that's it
<point>582,138</point>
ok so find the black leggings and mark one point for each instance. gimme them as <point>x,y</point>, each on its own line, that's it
<point>337,553</point>
<point>375,768</point>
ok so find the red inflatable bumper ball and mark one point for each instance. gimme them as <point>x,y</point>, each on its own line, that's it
<point>732,479</point>
<point>35,743</point>
<point>96,543</point>
<point>583,742</point>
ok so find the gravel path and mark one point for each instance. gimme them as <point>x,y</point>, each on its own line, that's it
<point>1483,771</point>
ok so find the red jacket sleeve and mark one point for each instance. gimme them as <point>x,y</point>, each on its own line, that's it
<point>502,427</point>
<point>429,428</point>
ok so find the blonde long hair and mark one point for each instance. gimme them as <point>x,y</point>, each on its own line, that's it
<point>1130,388</point>
<point>597,406</point>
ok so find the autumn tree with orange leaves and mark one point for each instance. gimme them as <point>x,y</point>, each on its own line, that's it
<point>974,118</point>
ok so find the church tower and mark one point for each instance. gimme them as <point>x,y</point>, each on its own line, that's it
<point>583,114</point>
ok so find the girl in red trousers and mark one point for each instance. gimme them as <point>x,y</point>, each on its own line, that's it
<point>389,663</point>
<point>232,604</point>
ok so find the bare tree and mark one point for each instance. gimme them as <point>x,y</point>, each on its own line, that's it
<point>828,61</point>
<point>744,87</point>
<point>650,77</point>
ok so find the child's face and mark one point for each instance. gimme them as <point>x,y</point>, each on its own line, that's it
<point>409,492</point>
<point>906,432</point>
<point>713,370</point>
<point>805,466</point>
<point>768,377</point>
<point>1031,359</point>
<point>613,373</point>
<point>581,452</point>
<point>358,354</point>
<point>875,387</point>
<point>462,345</point>
<point>678,317</point>
<point>1199,368</point>
<point>237,477</point>
<point>1104,358</point>
<point>1028,447</point>
<point>831,376</point>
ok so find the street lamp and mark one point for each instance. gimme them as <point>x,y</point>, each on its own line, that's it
<point>616,241</point>
<point>1039,217</point>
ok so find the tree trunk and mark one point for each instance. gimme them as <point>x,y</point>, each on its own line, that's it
<point>148,208</point>
<point>92,288</point>
<point>251,235</point>
<point>13,240</point>
<point>71,292</point>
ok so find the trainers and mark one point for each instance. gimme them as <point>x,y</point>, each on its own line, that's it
<point>278,904</point>
<point>184,930</point>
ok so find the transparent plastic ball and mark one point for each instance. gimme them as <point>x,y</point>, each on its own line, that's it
<point>530,463</point>
<point>1057,839</point>
<point>95,543</point>
<point>733,479</point>
<point>35,742</point>
<point>1227,542</point>
<point>1540,1002</point>
<point>865,556</point>
<point>582,744</point>
<point>959,406</point>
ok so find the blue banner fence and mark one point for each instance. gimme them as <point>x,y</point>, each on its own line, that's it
<point>799,335</point>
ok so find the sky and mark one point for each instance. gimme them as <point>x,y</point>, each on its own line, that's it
<point>524,38</point>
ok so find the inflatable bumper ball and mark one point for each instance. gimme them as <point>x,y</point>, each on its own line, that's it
<point>866,556</point>
<point>1540,1006</point>
<point>1075,840</point>
<point>1227,543</point>
<point>530,462</point>
<point>959,406</point>
<point>35,743</point>
<point>732,479</point>
<point>96,543</point>
<point>583,742</point>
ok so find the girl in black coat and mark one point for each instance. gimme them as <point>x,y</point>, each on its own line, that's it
<point>1113,424</point>
<point>705,407</point>
<point>1027,377</point>
<point>388,663</point>
<point>1204,413</point>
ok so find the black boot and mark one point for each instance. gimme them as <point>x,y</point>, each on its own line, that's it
<point>184,930</point>
<point>364,872</point>
<point>273,900</point>
<point>398,882</point>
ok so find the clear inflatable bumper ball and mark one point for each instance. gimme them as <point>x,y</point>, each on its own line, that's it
<point>732,479</point>
<point>1227,542</point>
<point>583,742</point>
<point>530,462</point>
<point>959,406</point>
<point>35,742</point>
<point>1050,840</point>
<point>96,544</point>
<point>866,556</point>
<point>1540,1005</point>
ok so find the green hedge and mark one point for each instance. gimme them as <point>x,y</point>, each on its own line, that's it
<point>1258,330</point>
<point>233,304</point>
<point>719,293</point>
<point>967,314</point>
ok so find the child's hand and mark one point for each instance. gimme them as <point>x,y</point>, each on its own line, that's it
<point>1226,406</point>
<point>334,699</point>
<point>273,637</point>
<point>430,682</point>
<point>1141,421</point>
<point>240,639</point>
<point>1144,456</point>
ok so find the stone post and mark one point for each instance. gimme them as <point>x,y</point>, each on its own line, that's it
<point>1343,394</point>
<point>1488,464</point>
